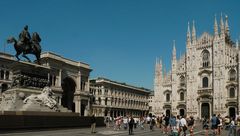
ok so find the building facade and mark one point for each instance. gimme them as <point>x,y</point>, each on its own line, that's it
<point>111,98</point>
<point>68,79</point>
<point>204,80</point>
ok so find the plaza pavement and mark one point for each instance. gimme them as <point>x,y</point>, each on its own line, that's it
<point>101,131</point>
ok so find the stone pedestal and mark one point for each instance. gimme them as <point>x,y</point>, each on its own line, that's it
<point>29,75</point>
<point>29,80</point>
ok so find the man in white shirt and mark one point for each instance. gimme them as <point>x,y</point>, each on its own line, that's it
<point>183,125</point>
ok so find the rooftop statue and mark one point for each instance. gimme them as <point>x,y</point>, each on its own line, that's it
<point>27,44</point>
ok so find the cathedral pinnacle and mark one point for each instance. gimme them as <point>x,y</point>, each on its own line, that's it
<point>222,26</point>
<point>215,27</point>
<point>193,33</point>
<point>237,45</point>
<point>226,26</point>
<point>188,35</point>
<point>174,51</point>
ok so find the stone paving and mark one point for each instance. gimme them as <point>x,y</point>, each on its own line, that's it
<point>101,131</point>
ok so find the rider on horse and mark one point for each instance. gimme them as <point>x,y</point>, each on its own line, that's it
<point>25,38</point>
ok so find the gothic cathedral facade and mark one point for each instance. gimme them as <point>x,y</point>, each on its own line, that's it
<point>205,80</point>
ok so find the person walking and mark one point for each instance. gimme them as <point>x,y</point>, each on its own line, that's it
<point>152,123</point>
<point>166,119</point>
<point>183,125</point>
<point>93,124</point>
<point>191,125</point>
<point>205,125</point>
<point>130,124</point>
<point>232,129</point>
<point>220,125</point>
<point>214,124</point>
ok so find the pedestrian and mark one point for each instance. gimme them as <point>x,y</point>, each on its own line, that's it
<point>107,120</point>
<point>173,124</point>
<point>125,123</point>
<point>178,123</point>
<point>191,125</point>
<point>205,125</point>
<point>93,124</point>
<point>227,122</point>
<point>166,119</point>
<point>183,125</point>
<point>152,123</point>
<point>214,122</point>
<point>142,121</point>
<point>220,125</point>
<point>130,124</point>
<point>232,129</point>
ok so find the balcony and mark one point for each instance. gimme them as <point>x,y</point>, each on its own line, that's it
<point>205,91</point>
<point>207,70</point>
<point>231,101</point>
<point>182,102</point>
<point>167,103</point>
<point>182,87</point>
<point>231,83</point>
<point>234,99</point>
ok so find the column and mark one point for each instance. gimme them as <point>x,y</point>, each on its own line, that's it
<point>210,109</point>
<point>4,75</point>
<point>78,87</point>
<point>49,78</point>
<point>88,84</point>
<point>53,80</point>
<point>78,105</point>
<point>88,108</point>
<point>0,88</point>
<point>103,112</point>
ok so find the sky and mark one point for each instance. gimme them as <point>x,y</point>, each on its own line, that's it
<point>119,39</point>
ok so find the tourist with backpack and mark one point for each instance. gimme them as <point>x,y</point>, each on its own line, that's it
<point>214,124</point>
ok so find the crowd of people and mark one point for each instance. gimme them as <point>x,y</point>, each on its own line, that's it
<point>172,125</point>
<point>175,125</point>
<point>217,123</point>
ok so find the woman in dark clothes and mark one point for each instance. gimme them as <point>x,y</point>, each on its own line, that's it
<point>131,123</point>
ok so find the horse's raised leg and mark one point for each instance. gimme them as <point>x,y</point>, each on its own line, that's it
<point>38,58</point>
<point>17,54</point>
<point>24,55</point>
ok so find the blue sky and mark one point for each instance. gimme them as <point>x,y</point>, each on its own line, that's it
<point>120,39</point>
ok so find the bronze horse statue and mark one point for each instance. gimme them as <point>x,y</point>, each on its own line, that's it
<point>34,45</point>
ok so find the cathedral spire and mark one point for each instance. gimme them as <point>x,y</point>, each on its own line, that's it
<point>222,26</point>
<point>226,26</point>
<point>193,33</point>
<point>174,51</point>
<point>174,58</point>
<point>188,35</point>
<point>215,27</point>
<point>237,45</point>
<point>158,73</point>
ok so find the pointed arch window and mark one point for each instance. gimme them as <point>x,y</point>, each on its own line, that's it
<point>205,58</point>
<point>232,75</point>
<point>182,96</point>
<point>168,97</point>
<point>205,82</point>
<point>182,81</point>
<point>232,93</point>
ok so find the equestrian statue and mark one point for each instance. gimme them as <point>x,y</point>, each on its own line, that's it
<point>27,44</point>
